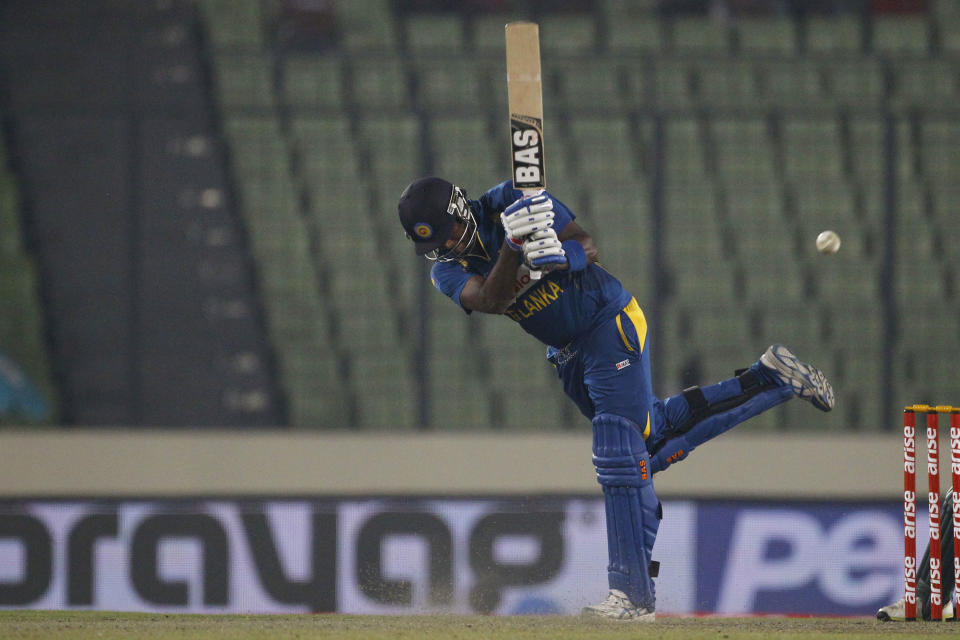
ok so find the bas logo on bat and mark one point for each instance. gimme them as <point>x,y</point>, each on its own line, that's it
<point>527,141</point>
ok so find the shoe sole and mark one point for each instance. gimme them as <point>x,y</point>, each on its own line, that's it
<point>813,385</point>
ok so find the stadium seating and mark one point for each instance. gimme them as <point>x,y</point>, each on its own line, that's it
<point>769,129</point>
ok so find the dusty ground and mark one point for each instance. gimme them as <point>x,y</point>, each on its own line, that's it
<point>71,625</point>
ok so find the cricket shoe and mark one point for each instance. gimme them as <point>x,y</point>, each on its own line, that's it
<point>895,612</point>
<point>807,381</point>
<point>617,606</point>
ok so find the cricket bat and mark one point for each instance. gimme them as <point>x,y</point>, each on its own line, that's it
<point>525,102</point>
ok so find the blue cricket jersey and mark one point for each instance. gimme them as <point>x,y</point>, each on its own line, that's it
<point>554,309</point>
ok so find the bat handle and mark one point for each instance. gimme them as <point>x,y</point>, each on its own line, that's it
<point>534,275</point>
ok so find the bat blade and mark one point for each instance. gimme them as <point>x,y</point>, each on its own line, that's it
<point>525,100</point>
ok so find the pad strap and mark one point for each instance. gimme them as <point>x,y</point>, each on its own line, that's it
<point>700,409</point>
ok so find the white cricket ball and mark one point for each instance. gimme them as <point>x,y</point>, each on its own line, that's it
<point>828,242</point>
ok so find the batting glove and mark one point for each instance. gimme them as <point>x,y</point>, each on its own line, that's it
<point>543,250</point>
<point>525,216</point>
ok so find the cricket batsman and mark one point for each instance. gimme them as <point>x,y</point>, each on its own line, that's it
<point>597,338</point>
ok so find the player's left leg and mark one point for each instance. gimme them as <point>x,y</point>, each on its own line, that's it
<point>699,414</point>
<point>615,374</point>
<point>633,517</point>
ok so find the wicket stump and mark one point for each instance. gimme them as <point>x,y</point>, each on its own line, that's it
<point>910,562</point>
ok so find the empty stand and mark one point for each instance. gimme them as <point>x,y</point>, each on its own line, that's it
<point>704,153</point>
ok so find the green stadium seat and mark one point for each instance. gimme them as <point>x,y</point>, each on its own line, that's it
<point>540,411</point>
<point>691,226</point>
<point>727,83</point>
<point>367,26</point>
<point>672,84</point>
<point>243,81</point>
<point>766,36</point>
<point>539,406</point>
<point>791,323</point>
<point>619,219</point>
<point>758,206</point>
<point>393,144</point>
<point>459,395</point>
<point>812,149</point>
<point>446,84</point>
<point>492,76</point>
<point>723,333</point>
<point>380,84</point>
<point>898,35</point>
<point>581,84</point>
<point>701,35</point>
<point>910,202</point>
<point>384,388</point>
<point>924,373</point>
<point>793,84</point>
<point>693,245</point>
<point>458,404</point>
<point>945,202</point>
<point>944,10</point>
<point>855,82</point>
<point>482,166</point>
<point>765,252</point>
<point>948,26</point>
<point>524,360</point>
<point>312,82</point>
<point>568,34</point>
<point>868,153</point>
<point>924,84</point>
<point>561,164</point>
<point>925,365</point>
<point>940,149</point>
<point>369,326</point>
<point>634,34</point>
<point>857,378</point>
<point>684,149</point>
<point>488,35</point>
<point>831,35</point>
<point>743,149</point>
<point>443,35</point>
<point>327,151</point>
<point>605,149</point>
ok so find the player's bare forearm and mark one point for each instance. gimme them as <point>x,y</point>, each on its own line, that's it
<point>496,292</point>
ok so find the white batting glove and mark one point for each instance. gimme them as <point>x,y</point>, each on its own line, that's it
<point>543,250</point>
<point>525,216</point>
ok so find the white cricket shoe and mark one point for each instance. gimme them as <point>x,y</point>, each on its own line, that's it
<point>807,381</point>
<point>617,606</point>
<point>895,612</point>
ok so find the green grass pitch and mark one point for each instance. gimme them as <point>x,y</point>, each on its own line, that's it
<point>149,626</point>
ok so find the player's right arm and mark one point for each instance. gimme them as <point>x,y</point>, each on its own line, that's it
<point>496,292</point>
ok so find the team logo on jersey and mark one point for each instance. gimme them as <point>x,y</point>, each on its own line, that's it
<point>623,364</point>
<point>423,230</point>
